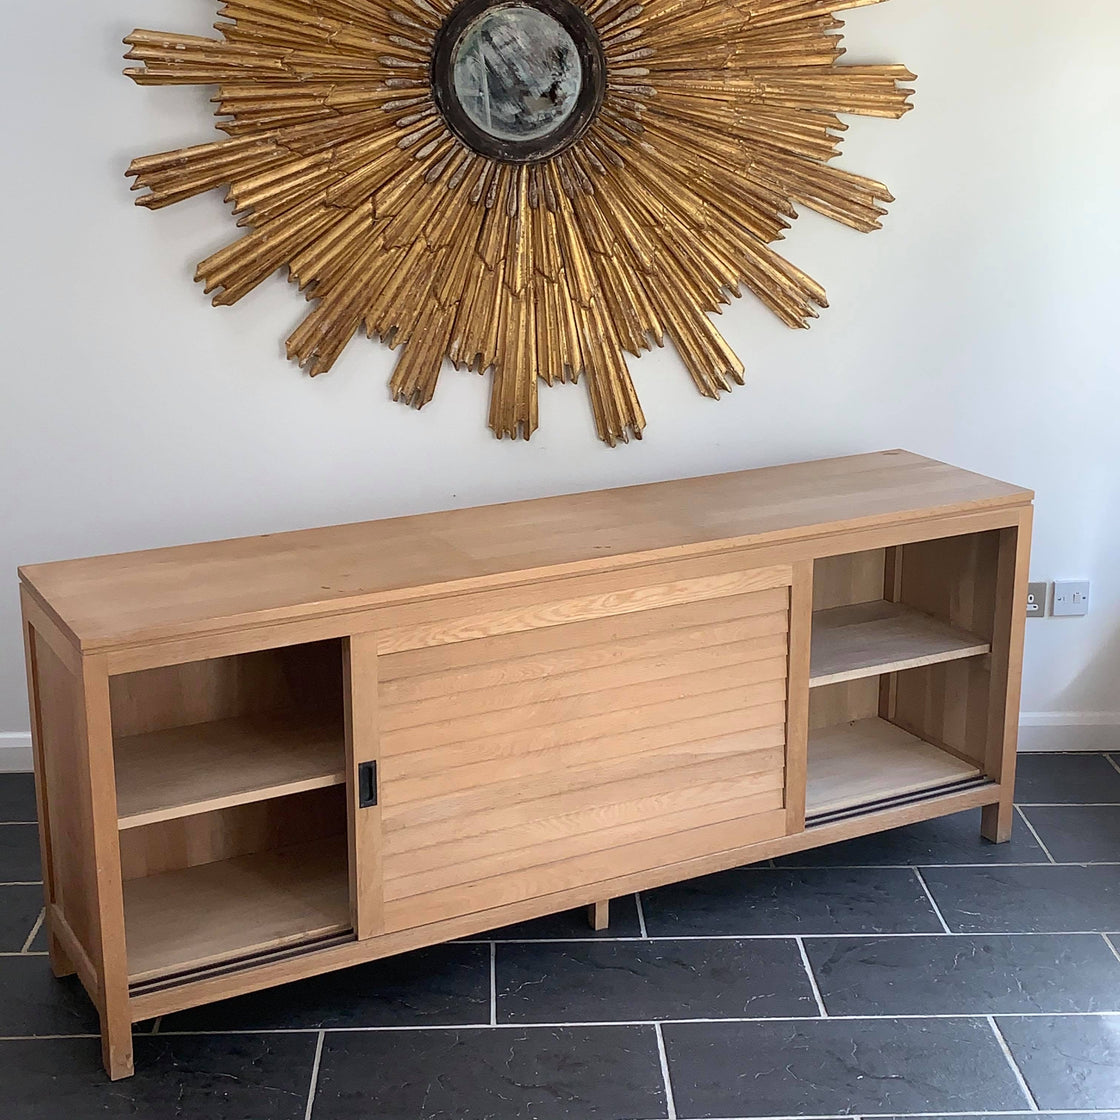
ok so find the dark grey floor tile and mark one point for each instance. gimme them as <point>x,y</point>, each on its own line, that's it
<point>19,911</point>
<point>1032,1116</point>
<point>1068,1062</point>
<point>629,980</point>
<point>593,1073</point>
<point>952,839</point>
<point>219,1077</point>
<point>1072,779</point>
<point>753,901</point>
<point>838,1067</point>
<point>444,985</point>
<point>33,1001</point>
<point>573,923</point>
<point>17,798</point>
<point>1027,899</point>
<point>1078,833</point>
<point>974,975</point>
<point>19,853</point>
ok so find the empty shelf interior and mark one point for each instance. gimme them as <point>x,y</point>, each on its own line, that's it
<point>173,773</point>
<point>868,639</point>
<point>872,761</point>
<point>182,920</point>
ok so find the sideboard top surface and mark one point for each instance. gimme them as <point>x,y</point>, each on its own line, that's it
<point>130,598</point>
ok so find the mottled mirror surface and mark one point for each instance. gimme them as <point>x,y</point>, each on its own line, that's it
<point>517,73</point>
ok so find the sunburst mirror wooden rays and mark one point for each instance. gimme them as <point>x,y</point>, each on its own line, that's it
<point>529,188</point>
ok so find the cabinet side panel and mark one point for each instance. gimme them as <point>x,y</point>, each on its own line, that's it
<point>68,798</point>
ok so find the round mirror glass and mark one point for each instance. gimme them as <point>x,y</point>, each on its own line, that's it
<point>516,73</point>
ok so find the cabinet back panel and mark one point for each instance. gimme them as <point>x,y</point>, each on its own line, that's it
<point>237,831</point>
<point>303,676</point>
<point>840,581</point>
<point>832,704</point>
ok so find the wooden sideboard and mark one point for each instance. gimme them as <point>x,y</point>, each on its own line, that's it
<point>265,758</point>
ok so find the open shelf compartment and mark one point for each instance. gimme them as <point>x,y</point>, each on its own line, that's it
<point>868,639</point>
<point>900,678</point>
<point>192,917</point>
<point>870,763</point>
<point>231,803</point>
<point>180,771</point>
<point>208,735</point>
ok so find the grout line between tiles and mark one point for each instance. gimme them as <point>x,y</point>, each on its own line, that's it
<point>1012,1063</point>
<point>1034,833</point>
<point>34,931</point>
<point>670,1104</point>
<point>1112,945</point>
<point>784,936</point>
<point>493,983</point>
<point>990,865</point>
<point>932,901</point>
<point>42,1037</point>
<point>641,915</point>
<point>929,1115</point>
<point>314,1076</point>
<point>521,1026</point>
<point>812,978</point>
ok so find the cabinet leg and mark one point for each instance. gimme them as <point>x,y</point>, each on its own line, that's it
<point>61,965</point>
<point>995,823</point>
<point>116,1045</point>
<point>599,915</point>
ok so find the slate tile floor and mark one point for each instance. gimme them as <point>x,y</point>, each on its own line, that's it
<point>921,973</point>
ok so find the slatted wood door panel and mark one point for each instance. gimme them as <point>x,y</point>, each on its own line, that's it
<point>521,764</point>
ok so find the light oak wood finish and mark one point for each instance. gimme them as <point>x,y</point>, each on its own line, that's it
<point>867,761</point>
<point>871,639</point>
<point>566,701</point>
<point>182,771</point>
<point>137,598</point>
<point>239,830</point>
<point>599,915</point>
<point>183,920</point>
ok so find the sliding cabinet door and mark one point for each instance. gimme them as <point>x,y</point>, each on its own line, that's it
<point>530,751</point>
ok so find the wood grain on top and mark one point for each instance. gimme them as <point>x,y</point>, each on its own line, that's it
<point>133,597</point>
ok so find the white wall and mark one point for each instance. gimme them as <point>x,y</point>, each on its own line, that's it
<point>978,328</point>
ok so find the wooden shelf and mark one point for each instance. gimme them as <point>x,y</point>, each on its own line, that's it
<point>185,770</point>
<point>880,637</point>
<point>871,761</point>
<point>188,919</point>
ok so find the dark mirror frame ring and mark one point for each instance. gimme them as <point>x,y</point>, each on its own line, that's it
<point>590,98</point>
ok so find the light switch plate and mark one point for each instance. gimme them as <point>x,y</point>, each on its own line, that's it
<point>1036,600</point>
<point>1071,598</point>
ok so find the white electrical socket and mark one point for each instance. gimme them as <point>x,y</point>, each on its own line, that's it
<point>1071,598</point>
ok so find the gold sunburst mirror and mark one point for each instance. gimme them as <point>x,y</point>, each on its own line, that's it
<point>529,188</point>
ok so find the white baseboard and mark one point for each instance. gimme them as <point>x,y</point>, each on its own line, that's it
<point>1038,731</point>
<point>1069,731</point>
<point>15,751</point>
